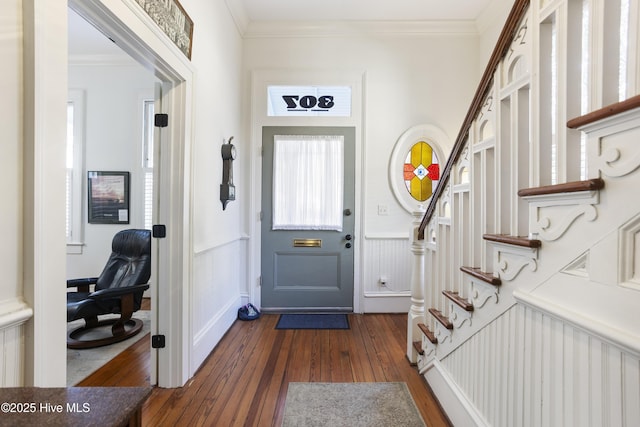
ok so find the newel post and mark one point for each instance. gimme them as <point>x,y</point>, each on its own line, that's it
<point>416,312</point>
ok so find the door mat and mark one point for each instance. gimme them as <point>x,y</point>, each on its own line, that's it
<point>313,321</point>
<point>350,405</point>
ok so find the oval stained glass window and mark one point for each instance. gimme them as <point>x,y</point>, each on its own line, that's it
<point>421,171</point>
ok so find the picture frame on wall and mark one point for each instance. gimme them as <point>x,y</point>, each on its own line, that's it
<point>173,20</point>
<point>108,197</point>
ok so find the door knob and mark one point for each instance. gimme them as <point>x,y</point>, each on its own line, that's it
<point>348,237</point>
<point>347,212</point>
<point>348,245</point>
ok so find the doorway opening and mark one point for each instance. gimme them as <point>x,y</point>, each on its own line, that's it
<point>143,41</point>
<point>110,128</point>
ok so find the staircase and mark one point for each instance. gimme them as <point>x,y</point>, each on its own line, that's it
<point>526,278</point>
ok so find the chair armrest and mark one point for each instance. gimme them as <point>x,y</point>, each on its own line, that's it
<point>76,283</point>
<point>117,292</point>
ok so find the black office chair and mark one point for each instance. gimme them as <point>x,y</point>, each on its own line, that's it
<point>118,290</point>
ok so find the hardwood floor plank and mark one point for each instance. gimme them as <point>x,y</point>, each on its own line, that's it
<point>245,379</point>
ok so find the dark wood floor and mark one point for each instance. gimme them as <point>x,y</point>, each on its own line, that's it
<point>244,381</point>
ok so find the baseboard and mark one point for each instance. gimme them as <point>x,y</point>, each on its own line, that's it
<point>205,340</point>
<point>460,411</point>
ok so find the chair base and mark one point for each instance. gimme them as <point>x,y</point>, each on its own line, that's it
<point>132,327</point>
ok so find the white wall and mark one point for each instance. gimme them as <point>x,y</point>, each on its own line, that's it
<point>409,79</point>
<point>113,136</point>
<point>219,248</point>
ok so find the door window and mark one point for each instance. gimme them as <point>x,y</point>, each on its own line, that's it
<point>308,176</point>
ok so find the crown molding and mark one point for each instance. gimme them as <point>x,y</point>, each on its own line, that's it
<point>238,14</point>
<point>290,29</point>
<point>101,60</point>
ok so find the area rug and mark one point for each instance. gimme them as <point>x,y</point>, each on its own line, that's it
<point>350,405</point>
<point>82,363</point>
<point>313,321</point>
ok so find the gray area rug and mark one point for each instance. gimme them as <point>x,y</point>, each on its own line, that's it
<point>350,404</point>
<point>82,363</point>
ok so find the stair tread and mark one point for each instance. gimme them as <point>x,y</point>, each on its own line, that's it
<point>418,346</point>
<point>441,318</point>
<point>427,332</point>
<point>456,298</point>
<point>513,240</point>
<point>482,275</point>
<point>567,187</point>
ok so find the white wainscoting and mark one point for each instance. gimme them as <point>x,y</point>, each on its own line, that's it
<point>528,368</point>
<point>219,279</point>
<point>388,257</point>
<point>14,314</point>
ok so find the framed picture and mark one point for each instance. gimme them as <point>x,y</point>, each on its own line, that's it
<point>108,197</point>
<point>172,19</point>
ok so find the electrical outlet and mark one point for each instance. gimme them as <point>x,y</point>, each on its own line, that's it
<point>383,210</point>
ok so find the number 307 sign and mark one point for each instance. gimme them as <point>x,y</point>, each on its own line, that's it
<point>305,101</point>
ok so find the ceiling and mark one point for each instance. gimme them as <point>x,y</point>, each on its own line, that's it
<point>85,41</point>
<point>361,10</point>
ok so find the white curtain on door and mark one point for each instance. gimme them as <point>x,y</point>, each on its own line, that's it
<point>308,176</point>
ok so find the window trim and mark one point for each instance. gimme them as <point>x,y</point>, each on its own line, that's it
<point>438,141</point>
<point>75,241</point>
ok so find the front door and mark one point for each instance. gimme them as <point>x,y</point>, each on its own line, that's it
<point>308,185</point>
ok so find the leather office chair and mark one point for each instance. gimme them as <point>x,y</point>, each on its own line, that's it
<point>118,290</point>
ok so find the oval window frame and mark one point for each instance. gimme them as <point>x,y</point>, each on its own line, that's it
<point>439,142</point>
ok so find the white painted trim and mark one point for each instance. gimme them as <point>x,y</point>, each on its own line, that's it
<point>43,183</point>
<point>454,402</point>
<point>206,339</point>
<point>14,312</point>
<point>386,236</point>
<point>202,249</point>
<point>101,60</point>
<point>615,336</point>
<point>404,294</point>
<point>439,142</point>
<point>342,29</point>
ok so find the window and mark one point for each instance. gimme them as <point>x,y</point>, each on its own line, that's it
<point>75,168</point>
<point>308,175</point>
<point>421,171</point>
<point>414,168</point>
<point>147,161</point>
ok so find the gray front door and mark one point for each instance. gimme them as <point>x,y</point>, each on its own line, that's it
<point>307,266</point>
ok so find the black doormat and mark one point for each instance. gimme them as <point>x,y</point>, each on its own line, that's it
<point>313,321</point>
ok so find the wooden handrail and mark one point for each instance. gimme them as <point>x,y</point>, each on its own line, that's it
<point>603,113</point>
<point>504,42</point>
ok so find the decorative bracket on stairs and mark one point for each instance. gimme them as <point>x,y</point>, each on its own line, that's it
<point>483,286</point>
<point>459,308</point>
<point>513,254</point>
<point>554,208</point>
<point>443,326</point>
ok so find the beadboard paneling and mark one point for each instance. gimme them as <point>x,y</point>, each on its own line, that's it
<point>388,257</point>
<point>530,369</point>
